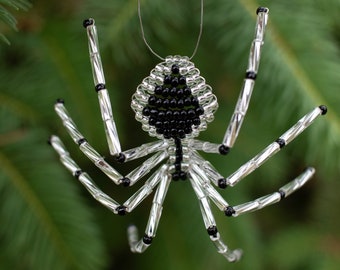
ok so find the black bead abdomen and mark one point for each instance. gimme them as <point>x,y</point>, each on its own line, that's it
<point>172,109</point>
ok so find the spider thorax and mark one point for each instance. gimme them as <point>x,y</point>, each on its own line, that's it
<point>174,103</point>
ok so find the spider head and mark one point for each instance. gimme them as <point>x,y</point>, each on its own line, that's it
<point>174,101</point>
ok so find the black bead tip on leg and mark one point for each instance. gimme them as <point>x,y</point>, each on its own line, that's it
<point>100,86</point>
<point>88,22</point>
<point>212,231</point>
<point>60,101</point>
<point>222,183</point>
<point>147,239</point>
<point>125,181</point>
<point>121,210</point>
<point>223,149</point>
<point>229,211</point>
<point>323,109</point>
<point>262,9</point>
<point>281,142</point>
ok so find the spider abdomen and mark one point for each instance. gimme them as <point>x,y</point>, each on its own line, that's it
<point>174,101</point>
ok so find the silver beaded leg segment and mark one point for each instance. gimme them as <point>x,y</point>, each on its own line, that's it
<point>155,215</point>
<point>209,220</point>
<point>103,95</point>
<point>275,147</point>
<point>249,81</point>
<point>275,197</point>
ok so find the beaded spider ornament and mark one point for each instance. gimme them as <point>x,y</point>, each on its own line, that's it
<point>174,104</point>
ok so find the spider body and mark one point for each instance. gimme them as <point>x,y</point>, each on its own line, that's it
<point>174,104</point>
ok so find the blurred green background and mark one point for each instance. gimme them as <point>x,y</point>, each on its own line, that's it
<point>48,220</point>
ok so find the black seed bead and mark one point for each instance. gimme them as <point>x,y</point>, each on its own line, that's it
<point>160,130</point>
<point>166,124</point>
<point>191,113</point>
<point>180,103</point>
<point>167,79</point>
<point>182,80</point>
<point>152,121</point>
<point>165,103</point>
<point>229,211</point>
<point>323,108</point>
<point>222,183</point>
<point>182,175</point>
<point>158,90</point>
<point>281,142</point>
<point>88,22</point>
<point>187,91</point>
<point>176,115</point>
<point>161,115</point>
<point>174,81</point>
<point>187,101</point>
<point>146,111</point>
<point>199,110</point>
<point>188,130</point>
<point>147,239</point>
<point>173,91</point>
<point>261,9</point>
<point>180,93</point>
<point>181,133</point>
<point>282,194</point>
<point>77,173</point>
<point>173,132</point>
<point>196,121</point>
<point>251,75</point>
<point>99,86</point>
<point>223,149</point>
<point>173,103</point>
<point>181,124</point>
<point>60,101</point>
<point>81,141</point>
<point>168,114</point>
<point>165,92</point>
<point>194,101</point>
<point>175,176</point>
<point>121,210</point>
<point>152,100</point>
<point>173,124</point>
<point>158,124</point>
<point>175,69</point>
<point>212,230</point>
<point>189,122</point>
<point>159,102</point>
<point>125,181</point>
<point>154,112</point>
<point>120,158</point>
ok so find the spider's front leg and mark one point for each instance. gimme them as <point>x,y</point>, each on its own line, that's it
<point>241,107</point>
<point>100,87</point>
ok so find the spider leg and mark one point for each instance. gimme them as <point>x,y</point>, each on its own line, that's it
<point>83,177</point>
<point>96,192</point>
<point>139,246</point>
<point>209,220</point>
<point>275,197</point>
<point>103,95</point>
<point>276,146</point>
<point>84,146</point>
<point>99,161</point>
<point>248,85</point>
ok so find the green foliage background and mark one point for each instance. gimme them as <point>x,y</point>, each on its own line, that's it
<point>48,221</point>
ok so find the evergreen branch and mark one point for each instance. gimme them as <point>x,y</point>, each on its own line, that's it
<point>20,183</point>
